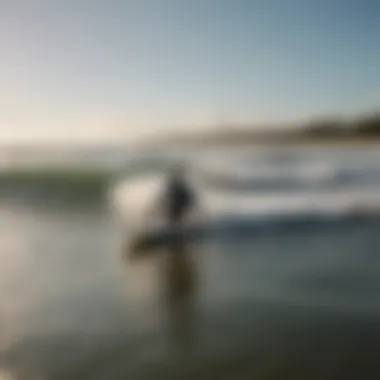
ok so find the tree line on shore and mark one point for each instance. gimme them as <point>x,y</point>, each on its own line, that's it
<point>367,126</point>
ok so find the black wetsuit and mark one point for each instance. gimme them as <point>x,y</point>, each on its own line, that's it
<point>178,200</point>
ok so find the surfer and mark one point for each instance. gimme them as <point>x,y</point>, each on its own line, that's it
<point>176,205</point>
<point>179,198</point>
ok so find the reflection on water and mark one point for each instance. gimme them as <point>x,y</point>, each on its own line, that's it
<point>175,265</point>
<point>180,286</point>
<point>302,305</point>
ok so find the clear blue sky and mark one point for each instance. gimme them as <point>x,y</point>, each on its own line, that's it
<point>113,69</point>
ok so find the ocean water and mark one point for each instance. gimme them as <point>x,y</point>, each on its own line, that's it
<point>285,285</point>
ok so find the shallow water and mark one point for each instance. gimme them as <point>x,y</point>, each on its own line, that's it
<point>288,304</point>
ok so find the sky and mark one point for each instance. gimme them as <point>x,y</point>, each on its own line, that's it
<point>115,70</point>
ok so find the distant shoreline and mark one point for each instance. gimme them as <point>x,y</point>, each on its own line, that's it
<point>288,141</point>
<point>360,131</point>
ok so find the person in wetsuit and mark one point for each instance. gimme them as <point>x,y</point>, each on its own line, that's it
<point>178,199</point>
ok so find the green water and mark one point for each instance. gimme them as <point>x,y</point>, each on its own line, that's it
<point>297,305</point>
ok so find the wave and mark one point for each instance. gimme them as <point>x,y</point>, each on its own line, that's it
<point>230,213</point>
<point>334,204</point>
<point>235,175</point>
<point>261,183</point>
<point>72,182</point>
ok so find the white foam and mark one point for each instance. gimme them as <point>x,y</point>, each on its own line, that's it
<point>134,196</point>
<point>299,170</point>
